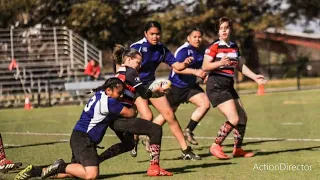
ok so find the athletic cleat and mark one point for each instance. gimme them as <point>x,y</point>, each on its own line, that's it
<point>7,165</point>
<point>188,135</point>
<point>146,143</point>
<point>134,151</point>
<point>52,169</point>
<point>155,170</point>
<point>188,154</point>
<point>216,150</point>
<point>239,152</point>
<point>26,173</point>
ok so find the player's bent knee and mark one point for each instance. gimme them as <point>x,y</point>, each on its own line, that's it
<point>91,176</point>
<point>146,116</point>
<point>168,115</point>
<point>206,105</point>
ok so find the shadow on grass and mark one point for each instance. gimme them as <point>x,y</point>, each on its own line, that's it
<point>199,148</point>
<point>36,144</point>
<point>286,151</point>
<point>178,170</point>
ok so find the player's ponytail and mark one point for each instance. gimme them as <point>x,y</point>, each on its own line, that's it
<point>120,53</point>
<point>109,83</point>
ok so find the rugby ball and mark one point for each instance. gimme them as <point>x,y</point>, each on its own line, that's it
<point>164,83</point>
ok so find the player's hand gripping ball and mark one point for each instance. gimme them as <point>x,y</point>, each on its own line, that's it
<point>160,87</point>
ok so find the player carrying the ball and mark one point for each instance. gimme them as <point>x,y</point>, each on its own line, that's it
<point>153,53</point>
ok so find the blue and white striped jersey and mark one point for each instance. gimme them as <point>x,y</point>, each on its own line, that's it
<point>97,114</point>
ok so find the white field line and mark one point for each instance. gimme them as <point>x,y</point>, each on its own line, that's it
<point>292,123</point>
<point>170,137</point>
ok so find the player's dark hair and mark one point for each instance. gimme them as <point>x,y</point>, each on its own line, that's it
<point>151,24</point>
<point>222,20</point>
<point>112,83</point>
<point>195,29</point>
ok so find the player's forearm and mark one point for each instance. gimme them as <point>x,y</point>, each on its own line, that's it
<point>185,71</point>
<point>247,72</point>
<point>209,66</point>
<point>179,66</point>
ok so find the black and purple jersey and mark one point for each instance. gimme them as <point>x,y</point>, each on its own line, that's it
<point>152,56</point>
<point>184,51</point>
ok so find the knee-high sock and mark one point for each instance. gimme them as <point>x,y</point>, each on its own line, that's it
<point>224,131</point>
<point>192,125</point>
<point>154,153</point>
<point>115,150</point>
<point>2,153</point>
<point>239,132</point>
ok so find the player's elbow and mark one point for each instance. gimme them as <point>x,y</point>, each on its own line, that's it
<point>178,66</point>
<point>205,67</point>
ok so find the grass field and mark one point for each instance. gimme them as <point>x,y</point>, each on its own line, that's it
<point>282,130</point>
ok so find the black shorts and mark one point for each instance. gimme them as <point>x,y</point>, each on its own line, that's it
<point>130,126</point>
<point>177,95</point>
<point>146,86</point>
<point>220,89</point>
<point>84,150</point>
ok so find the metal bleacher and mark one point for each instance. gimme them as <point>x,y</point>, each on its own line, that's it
<point>46,59</point>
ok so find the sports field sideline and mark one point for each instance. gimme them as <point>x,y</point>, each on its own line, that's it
<point>282,130</point>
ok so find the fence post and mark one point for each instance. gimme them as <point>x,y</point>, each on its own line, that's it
<point>49,93</point>
<point>71,48</point>
<point>100,58</point>
<point>39,93</point>
<point>55,44</point>
<point>85,49</point>
<point>11,41</point>
<point>298,75</point>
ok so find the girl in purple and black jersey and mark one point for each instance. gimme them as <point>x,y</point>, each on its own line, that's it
<point>153,53</point>
<point>184,87</point>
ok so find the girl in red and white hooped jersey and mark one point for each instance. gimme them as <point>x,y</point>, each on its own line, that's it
<point>220,60</point>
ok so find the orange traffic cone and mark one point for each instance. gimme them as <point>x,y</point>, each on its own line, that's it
<point>260,91</point>
<point>27,103</point>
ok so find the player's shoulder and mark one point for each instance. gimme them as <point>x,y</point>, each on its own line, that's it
<point>138,44</point>
<point>213,47</point>
<point>233,44</point>
<point>182,49</point>
<point>214,44</point>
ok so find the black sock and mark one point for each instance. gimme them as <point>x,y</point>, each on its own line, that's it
<point>62,168</point>
<point>115,150</point>
<point>192,125</point>
<point>239,132</point>
<point>36,171</point>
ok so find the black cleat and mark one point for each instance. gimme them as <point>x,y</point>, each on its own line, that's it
<point>188,154</point>
<point>52,169</point>
<point>7,165</point>
<point>134,151</point>
<point>188,135</point>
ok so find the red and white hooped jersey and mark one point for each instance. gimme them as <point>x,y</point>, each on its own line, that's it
<point>218,50</point>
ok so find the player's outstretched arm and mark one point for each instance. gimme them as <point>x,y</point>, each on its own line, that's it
<point>258,78</point>
<point>128,112</point>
